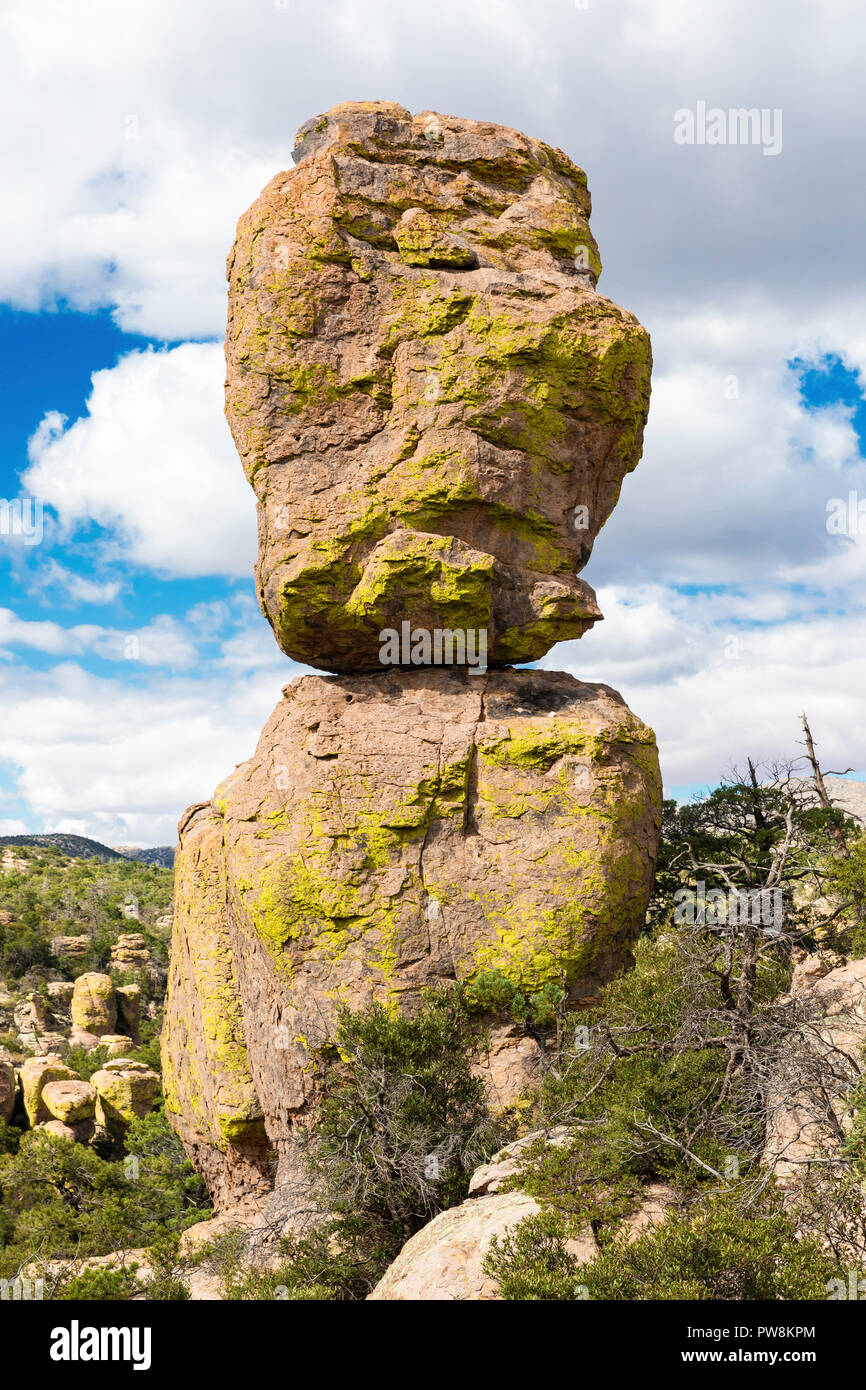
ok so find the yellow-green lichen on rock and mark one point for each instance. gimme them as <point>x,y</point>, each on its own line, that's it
<point>210,1094</point>
<point>417,353</point>
<point>391,832</point>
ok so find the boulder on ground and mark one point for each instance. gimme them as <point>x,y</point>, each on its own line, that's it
<point>444,1260</point>
<point>79,1133</point>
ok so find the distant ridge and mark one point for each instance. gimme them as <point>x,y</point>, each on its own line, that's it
<point>163,855</point>
<point>80,847</point>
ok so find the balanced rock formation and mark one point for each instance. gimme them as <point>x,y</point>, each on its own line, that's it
<point>434,406</point>
<point>436,411</point>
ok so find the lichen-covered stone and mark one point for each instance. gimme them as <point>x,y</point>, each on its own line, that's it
<point>69,1101</point>
<point>125,1091</point>
<point>434,406</point>
<point>210,1096</point>
<point>35,1075</point>
<point>390,832</point>
<point>94,1005</point>
<point>129,1008</point>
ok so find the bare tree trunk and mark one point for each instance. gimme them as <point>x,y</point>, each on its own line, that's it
<point>821,788</point>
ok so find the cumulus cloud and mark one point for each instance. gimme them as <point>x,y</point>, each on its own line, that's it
<point>153,463</point>
<point>77,588</point>
<point>716,690</point>
<point>99,757</point>
<point>118,759</point>
<point>135,136</point>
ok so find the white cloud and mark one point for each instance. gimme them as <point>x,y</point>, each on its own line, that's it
<point>162,642</point>
<point>716,691</point>
<point>135,135</point>
<point>77,588</point>
<point>134,138</point>
<point>98,757</point>
<point>154,463</point>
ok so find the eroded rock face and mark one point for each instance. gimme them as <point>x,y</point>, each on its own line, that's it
<point>94,1004</point>
<point>35,1075</point>
<point>7,1089</point>
<point>125,1090</point>
<point>434,406</point>
<point>810,1106</point>
<point>392,832</point>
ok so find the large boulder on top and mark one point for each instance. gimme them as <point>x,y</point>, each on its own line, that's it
<point>94,1005</point>
<point>390,833</point>
<point>435,408</point>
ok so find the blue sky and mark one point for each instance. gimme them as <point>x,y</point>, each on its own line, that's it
<point>135,669</point>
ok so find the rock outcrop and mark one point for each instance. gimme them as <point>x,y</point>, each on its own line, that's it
<point>390,833</point>
<point>94,1004</point>
<point>125,1090</point>
<point>35,1074</point>
<point>8,1087</point>
<point>444,1261</point>
<point>434,406</point>
<point>810,1106</point>
<point>436,411</point>
<point>69,1101</point>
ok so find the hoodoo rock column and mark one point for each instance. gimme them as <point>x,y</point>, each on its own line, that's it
<point>436,411</point>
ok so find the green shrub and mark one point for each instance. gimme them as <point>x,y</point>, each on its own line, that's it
<point>715,1251</point>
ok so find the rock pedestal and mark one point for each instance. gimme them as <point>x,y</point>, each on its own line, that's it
<point>393,832</point>
<point>436,411</point>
